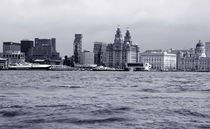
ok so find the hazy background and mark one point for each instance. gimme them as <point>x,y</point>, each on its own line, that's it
<point>154,24</point>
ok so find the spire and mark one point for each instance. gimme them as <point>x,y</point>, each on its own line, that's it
<point>118,36</point>
<point>127,38</point>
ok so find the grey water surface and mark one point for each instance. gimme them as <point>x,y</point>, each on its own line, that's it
<point>104,100</point>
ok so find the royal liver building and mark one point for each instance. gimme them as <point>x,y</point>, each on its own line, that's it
<point>121,52</point>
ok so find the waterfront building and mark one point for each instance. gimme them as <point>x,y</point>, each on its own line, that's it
<point>159,60</point>
<point>196,61</point>
<point>26,47</point>
<point>130,50</point>
<point>200,49</point>
<point>114,51</point>
<point>77,48</point>
<point>87,58</point>
<point>14,57</point>
<point>207,47</point>
<point>45,50</point>
<point>12,53</point>
<point>3,63</point>
<point>121,52</point>
<point>9,47</point>
<point>100,53</point>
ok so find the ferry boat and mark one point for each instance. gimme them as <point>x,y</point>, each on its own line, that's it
<point>139,66</point>
<point>29,66</point>
<point>102,68</point>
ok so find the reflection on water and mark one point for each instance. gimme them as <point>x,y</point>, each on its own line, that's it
<point>105,100</point>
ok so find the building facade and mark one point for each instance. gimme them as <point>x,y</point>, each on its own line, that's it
<point>207,47</point>
<point>9,47</point>
<point>100,53</point>
<point>121,52</point>
<point>3,63</point>
<point>26,47</point>
<point>45,49</point>
<point>87,58</point>
<point>12,53</point>
<point>196,61</point>
<point>14,57</point>
<point>160,60</point>
<point>130,50</point>
<point>77,48</point>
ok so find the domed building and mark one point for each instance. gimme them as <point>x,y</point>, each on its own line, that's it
<point>200,49</point>
<point>196,61</point>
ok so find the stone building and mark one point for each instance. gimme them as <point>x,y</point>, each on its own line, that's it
<point>121,52</point>
<point>207,48</point>
<point>163,61</point>
<point>196,61</point>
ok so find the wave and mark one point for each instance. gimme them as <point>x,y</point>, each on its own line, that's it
<point>150,90</point>
<point>11,113</point>
<point>186,112</point>
<point>75,121</point>
<point>51,106</point>
<point>67,86</point>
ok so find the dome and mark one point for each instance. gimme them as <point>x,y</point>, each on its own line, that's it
<point>199,44</point>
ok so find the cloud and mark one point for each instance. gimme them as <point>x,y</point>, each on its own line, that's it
<point>154,23</point>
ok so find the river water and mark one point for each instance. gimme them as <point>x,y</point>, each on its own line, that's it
<point>104,100</point>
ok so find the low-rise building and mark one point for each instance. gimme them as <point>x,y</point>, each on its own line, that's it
<point>3,63</point>
<point>159,60</point>
<point>14,57</point>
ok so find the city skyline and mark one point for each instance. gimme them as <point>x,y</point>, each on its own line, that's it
<point>154,24</point>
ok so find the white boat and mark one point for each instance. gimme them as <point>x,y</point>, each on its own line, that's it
<point>139,66</point>
<point>29,66</point>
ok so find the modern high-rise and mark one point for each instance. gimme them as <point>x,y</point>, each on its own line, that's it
<point>87,58</point>
<point>207,47</point>
<point>26,47</point>
<point>77,48</point>
<point>9,47</point>
<point>100,53</point>
<point>45,49</point>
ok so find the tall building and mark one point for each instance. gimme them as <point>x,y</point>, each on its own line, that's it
<point>115,51</point>
<point>159,60</point>
<point>196,61</point>
<point>122,52</point>
<point>207,46</point>
<point>77,48</point>
<point>130,50</point>
<point>45,49</point>
<point>87,58</point>
<point>9,47</point>
<point>100,53</point>
<point>26,47</point>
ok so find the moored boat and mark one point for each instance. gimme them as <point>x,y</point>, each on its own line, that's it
<point>29,66</point>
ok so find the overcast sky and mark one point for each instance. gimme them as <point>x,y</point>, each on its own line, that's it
<point>154,24</point>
